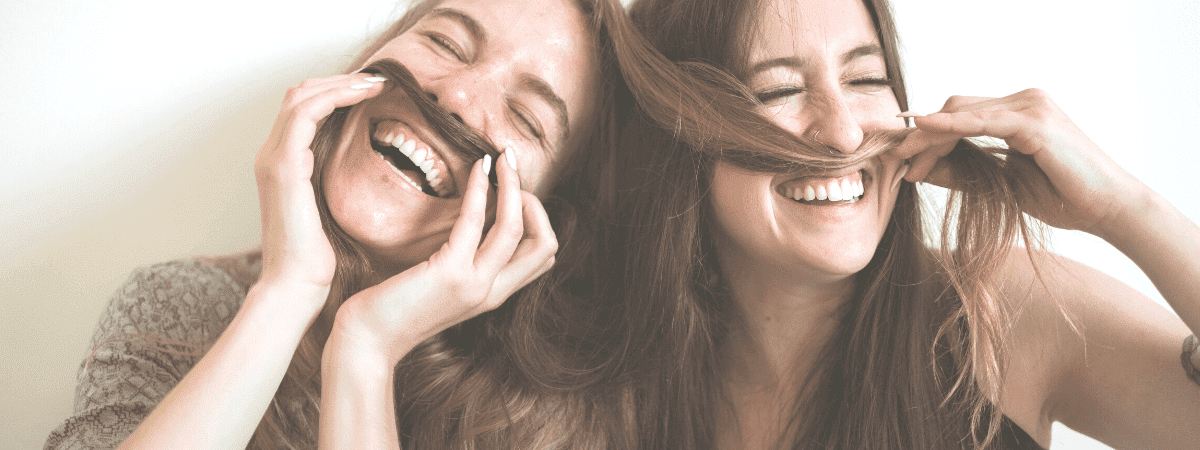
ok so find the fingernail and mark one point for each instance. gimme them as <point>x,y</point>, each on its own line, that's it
<point>900,176</point>
<point>487,164</point>
<point>375,79</point>
<point>510,155</point>
<point>362,86</point>
<point>910,114</point>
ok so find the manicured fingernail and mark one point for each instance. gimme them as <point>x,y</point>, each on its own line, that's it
<point>487,164</point>
<point>900,176</point>
<point>375,79</point>
<point>510,154</point>
<point>362,86</point>
<point>910,114</point>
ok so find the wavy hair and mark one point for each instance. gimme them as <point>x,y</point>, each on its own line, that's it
<point>509,378</point>
<point>917,359</point>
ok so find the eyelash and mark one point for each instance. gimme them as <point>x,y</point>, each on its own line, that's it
<point>447,45</point>
<point>787,91</point>
<point>530,125</point>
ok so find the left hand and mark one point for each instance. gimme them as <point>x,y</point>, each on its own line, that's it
<point>1091,187</point>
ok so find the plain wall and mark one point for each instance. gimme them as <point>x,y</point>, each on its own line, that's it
<point>129,129</point>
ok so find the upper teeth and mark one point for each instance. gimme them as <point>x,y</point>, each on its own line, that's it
<point>834,190</point>
<point>421,157</point>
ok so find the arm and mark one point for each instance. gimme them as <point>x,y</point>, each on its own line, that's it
<point>223,398</point>
<point>1123,382</point>
<point>377,327</point>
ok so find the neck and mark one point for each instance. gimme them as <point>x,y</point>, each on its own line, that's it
<point>787,317</point>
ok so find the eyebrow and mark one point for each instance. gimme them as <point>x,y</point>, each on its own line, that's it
<point>799,63</point>
<point>478,32</point>
<point>542,89</point>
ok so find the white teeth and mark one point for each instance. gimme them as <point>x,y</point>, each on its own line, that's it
<point>407,147</point>
<point>418,157</point>
<point>835,192</point>
<point>432,176</point>
<point>847,190</point>
<point>797,194</point>
<point>821,194</point>
<point>427,165</point>
<point>810,193</point>
<point>396,141</point>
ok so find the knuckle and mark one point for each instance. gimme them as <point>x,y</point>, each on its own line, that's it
<point>954,102</point>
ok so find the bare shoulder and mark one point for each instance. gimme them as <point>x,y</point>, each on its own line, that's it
<point>1079,337</point>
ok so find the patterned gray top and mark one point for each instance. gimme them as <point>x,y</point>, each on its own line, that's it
<point>155,328</point>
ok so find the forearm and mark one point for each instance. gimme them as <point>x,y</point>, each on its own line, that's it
<point>357,409</point>
<point>1165,244</point>
<point>222,399</point>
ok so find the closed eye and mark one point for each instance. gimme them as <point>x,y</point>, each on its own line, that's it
<point>448,46</point>
<point>777,93</point>
<point>530,124</point>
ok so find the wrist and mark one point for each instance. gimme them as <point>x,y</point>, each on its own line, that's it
<point>1137,216</point>
<point>294,299</point>
<point>353,340</point>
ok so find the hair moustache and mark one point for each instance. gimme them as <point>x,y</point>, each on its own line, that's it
<point>815,157</point>
<point>460,138</point>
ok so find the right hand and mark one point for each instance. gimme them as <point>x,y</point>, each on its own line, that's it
<point>469,275</point>
<point>297,256</point>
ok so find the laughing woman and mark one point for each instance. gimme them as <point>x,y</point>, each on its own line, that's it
<point>779,293</point>
<point>382,234</point>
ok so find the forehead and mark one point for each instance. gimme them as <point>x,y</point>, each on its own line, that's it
<point>549,39</point>
<point>787,27</point>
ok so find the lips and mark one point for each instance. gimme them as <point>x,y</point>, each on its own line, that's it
<point>416,162</point>
<point>825,191</point>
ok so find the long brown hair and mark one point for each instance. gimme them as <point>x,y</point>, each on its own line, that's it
<point>917,359</point>
<point>512,377</point>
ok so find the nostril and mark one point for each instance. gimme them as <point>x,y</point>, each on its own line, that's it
<point>457,117</point>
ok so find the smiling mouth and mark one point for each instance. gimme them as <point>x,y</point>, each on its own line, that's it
<point>824,191</point>
<point>416,163</point>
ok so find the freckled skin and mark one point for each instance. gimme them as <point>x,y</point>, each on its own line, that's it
<point>400,227</point>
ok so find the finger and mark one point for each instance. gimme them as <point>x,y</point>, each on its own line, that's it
<point>923,162</point>
<point>1001,124</point>
<point>464,236</point>
<point>534,255</point>
<point>919,141</point>
<point>302,124</point>
<point>313,86</point>
<point>959,102</point>
<point>509,229</point>
<point>942,174</point>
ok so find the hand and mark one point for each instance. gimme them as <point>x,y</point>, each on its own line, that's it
<point>462,279</point>
<point>1090,187</point>
<point>297,256</point>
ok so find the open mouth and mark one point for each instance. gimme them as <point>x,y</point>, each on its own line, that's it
<point>825,191</point>
<point>414,161</point>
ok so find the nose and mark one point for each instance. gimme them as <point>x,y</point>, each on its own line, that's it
<point>832,122</point>
<point>471,98</point>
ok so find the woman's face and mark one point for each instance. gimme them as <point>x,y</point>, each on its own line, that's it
<point>520,72</point>
<point>818,68</point>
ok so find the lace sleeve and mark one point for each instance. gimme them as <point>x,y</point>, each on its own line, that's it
<point>154,329</point>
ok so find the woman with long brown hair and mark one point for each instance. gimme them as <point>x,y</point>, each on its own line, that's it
<point>777,286</point>
<point>381,236</point>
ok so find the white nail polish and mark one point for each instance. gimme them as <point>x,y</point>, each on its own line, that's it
<point>362,86</point>
<point>510,156</point>
<point>487,164</point>
<point>375,79</point>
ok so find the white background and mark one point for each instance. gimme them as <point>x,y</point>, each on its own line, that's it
<point>128,129</point>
